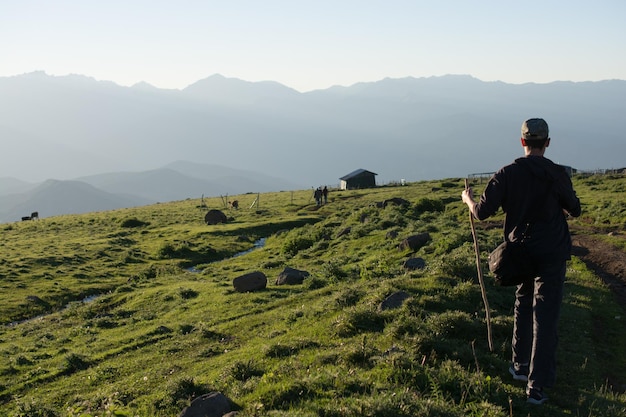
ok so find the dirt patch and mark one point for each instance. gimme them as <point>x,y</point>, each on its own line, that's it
<point>606,260</point>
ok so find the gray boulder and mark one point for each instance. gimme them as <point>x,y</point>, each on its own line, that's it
<point>397,201</point>
<point>252,281</point>
<point>291,276</point>
<point>395,300</point>
<point>213,404</point>
<point>215,217</point>
<point>392,234</point>
<point>413,243</point>
<point>414,263</point>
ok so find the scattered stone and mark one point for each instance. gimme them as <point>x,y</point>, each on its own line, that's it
<point>345,231</point>
<point>392,234</point>
<point>162,330</point>
<point>213,404</point>
<point>252,281</point>
<point>414,263</point>
<point>35,299</point>
<point>396,201</point>
<point>291,276</point>
<point>215,217</point>
<point>395,300</point>
<point>394,349</point>
<point>415,242</point>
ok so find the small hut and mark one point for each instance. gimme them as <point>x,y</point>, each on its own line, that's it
<point>361,178</point>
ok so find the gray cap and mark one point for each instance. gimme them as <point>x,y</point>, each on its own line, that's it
<point>535,129</point>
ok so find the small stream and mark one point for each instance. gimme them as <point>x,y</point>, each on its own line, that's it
<point>257,244</point>
<point>85,300</point>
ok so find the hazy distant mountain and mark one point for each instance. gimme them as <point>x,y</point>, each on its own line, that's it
<point>154,185</point>
<point>221,90</point>
<point>412,128</point>
<point>181,180</point>
<point>10,185</point>
<point>54,197</point>
<point>220,173</point>
<point>177,181</point>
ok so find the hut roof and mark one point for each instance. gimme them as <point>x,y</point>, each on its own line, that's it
<point>359,172</point>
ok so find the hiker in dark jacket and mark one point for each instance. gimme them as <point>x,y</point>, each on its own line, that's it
<point>536,196</point>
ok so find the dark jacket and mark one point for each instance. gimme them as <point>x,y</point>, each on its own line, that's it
<point>536,195</point>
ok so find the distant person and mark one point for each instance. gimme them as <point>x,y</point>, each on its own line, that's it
<point>318,196</point>
<point>534,183</point>
<point>325,194</point>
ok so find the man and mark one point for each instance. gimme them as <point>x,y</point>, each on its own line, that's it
<point>536,196</point>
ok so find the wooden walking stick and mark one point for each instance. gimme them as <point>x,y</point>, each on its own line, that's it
<point>481,281</point>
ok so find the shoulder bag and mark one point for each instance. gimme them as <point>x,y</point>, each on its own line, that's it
<point>510,265</point>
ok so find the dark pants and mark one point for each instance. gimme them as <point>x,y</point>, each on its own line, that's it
<point>537,308</point>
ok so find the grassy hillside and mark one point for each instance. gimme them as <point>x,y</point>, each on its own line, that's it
<point>133,312</point>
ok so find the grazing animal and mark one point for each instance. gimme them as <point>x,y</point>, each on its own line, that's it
<point>34,215</point>
<point>234,204</point>
<point>25,218</point>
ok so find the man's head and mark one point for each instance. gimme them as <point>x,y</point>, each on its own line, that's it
<point>535,133</point>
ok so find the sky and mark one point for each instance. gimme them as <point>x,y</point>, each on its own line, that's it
<point>309,45</point>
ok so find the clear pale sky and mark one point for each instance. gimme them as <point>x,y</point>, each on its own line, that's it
<point>310,45</point>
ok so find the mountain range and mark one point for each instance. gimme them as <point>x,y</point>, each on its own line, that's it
<point>177,181</point>
<point>231,136</point>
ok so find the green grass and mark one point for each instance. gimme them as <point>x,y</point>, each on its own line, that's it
<point>157,335</point>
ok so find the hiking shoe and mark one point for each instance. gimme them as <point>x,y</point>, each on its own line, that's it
<point>536,396</point>
<point>519,372</point>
